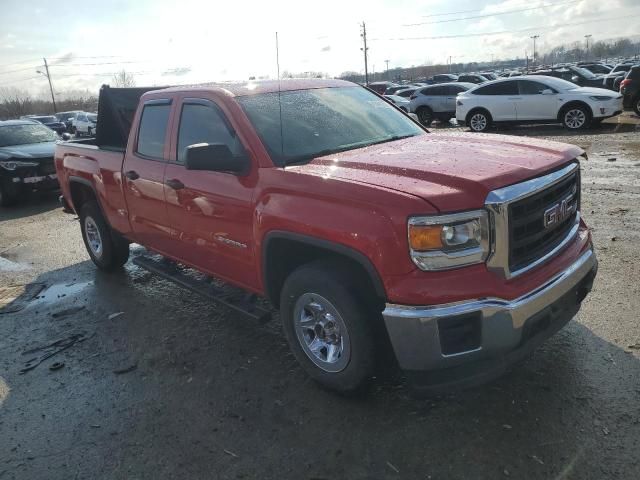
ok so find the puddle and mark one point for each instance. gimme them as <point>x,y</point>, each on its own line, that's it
<point>59,291</point>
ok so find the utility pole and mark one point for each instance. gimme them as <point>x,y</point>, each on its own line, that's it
<point>53,98</point>
<point>387,62</point>
<point>449,63</point>
<point>364,51</point>
<point>587,37</point>
<point>535,55</point>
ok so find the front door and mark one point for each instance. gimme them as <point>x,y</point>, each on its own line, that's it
<point>535,105</point>
<point>210,212</point>
<point>143,177</point>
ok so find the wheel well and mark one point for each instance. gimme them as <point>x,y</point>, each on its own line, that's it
<point>283,255</point>
<point>423,107</point>
<point>80,194</point>
<point>574,103</point>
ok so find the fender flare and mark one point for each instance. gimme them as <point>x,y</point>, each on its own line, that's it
<point>86,183</point>
<point>333,247</point>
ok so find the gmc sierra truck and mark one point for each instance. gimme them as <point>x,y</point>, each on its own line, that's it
<point>462,252</point>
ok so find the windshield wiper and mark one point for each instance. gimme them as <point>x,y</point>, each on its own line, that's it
<point>328,151</point>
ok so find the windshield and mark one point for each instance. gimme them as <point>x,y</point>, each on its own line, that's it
<point>25,134</point>
<point>45,119</point>
<point>322,121</point>
<point>584,72</point>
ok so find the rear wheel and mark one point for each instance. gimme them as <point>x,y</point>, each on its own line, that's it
<point>107,249</point>
<point>328,327</point>
<point>425,115</point>
<point>479,120</point>
<point>576,117</point>
<point>636,105</point>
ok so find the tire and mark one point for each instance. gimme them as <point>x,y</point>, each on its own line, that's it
<point>89,132</point>
<point>636,105</point>
<point>9,194</point>
<point>479,120</point>
<point>107,249</point>
<point>336,349</point>
<point>576,117</point>
<point>425,115</point>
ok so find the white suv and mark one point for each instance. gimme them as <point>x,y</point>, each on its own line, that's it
<point>535,99</point>
<point>84,123</point>
<point>437,101</point>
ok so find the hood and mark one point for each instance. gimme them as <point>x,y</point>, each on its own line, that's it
<point>597,91</point>
<point>451,171</point>
<point>42,150</point>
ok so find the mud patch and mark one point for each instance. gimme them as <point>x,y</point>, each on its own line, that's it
<point>15,297</point>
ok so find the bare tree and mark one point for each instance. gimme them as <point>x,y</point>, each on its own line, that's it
<point>123,79</point>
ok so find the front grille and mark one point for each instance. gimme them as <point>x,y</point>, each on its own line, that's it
<point>529,238</point>
<point>46,167</point>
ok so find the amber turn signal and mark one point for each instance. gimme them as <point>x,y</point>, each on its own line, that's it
<point>425,237</point>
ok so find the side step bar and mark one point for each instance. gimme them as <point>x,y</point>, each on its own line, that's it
<point>231,297</point>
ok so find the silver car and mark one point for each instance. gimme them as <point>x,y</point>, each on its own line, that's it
<point>437,101</point>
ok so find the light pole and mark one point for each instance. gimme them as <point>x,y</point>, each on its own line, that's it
<point>46,74</point>
<point>535,55</point>
<point>364,51</point>
<point>387,62</point>
<point>587,37</point>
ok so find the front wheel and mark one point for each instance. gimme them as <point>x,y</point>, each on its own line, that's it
<point>576,118</point>
<point>479,121</point>
<point>107,249</point>
<point>425,115</point>
<point>636,105</point>
<point>327,327</point>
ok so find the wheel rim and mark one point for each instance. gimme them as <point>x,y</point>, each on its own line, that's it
<point>94,240</point>
<point>424,116</point>
<point>575,118</point>
<point>321,332</point>
<point>478,122</point>
<point>638,105</point>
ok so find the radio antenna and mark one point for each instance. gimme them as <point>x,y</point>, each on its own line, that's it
<point>279,98</point>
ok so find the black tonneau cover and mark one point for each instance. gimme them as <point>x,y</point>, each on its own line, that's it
<point>116,108</point>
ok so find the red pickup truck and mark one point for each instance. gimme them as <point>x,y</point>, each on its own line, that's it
<point>462,251</point>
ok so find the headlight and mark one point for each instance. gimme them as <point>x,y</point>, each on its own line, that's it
<point>13,164</point>
<point>600,98</point>
<point>442,242</point>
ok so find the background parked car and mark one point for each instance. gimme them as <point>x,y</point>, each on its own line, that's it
<point>381,87</point>
<point>49,121</point>
<point>630,89</point>
<point>443,78</point>
<point>535,99</point>
<point>85,123</point>
<point>596,68</point>
<point>407,92</point>
<point>620,70</point>
<point>472,78</point>
<point>26,159</point>
<point>437,101</point>
<point>401,102</point>
<point>394,89</point>
<point>66,118</point>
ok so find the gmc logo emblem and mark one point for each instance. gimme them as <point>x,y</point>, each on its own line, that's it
<point>560,211</point>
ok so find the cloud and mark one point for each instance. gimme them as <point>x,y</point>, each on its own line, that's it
<point>326,49</point>
<point>178,71</point>
<point>66,58</point>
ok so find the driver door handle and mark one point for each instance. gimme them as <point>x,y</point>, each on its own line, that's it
<point>132,175</point>
<point>174,184</point>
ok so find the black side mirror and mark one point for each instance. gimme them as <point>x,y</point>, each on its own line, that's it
<point>575,79</point>
<point>66,136</point>
<point>215,157</point>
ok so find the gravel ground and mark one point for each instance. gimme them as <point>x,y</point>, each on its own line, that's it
<point>176,387</point>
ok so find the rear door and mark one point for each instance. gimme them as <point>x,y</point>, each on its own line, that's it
<point>211,213</point>
<point>143,176</point>
<point>533,104</point>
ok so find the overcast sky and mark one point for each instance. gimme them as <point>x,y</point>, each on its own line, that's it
<point>169,42</point>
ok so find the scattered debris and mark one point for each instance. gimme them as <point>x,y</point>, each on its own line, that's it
<point>68,311</point>
<point>50,350</point>
<point>635,346</point>
<point>393,467</point>
<point>506,426</point>
<point>611,159</point>
<point>605,430</point>
<point>506,472</point>
<point>128,369</point>
<point>56,366</point>
<point>115,315</point>
<point>537,459</point>
<point>229,452</point>
<point>95,426</point>
<point>619,210</point>
<point>613,239</point>
<point>279,403</point>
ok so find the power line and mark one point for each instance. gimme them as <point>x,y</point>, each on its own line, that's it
<point>491,14</point>
<point>452,13</point>
<point>502,32</point>
<point>20,69</point>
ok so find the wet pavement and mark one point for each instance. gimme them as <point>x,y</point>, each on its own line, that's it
<point>155,382</point>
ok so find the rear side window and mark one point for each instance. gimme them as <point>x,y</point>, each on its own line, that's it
<point>203,122</point>
<point>502,88</point>
<point>434,91</point>
<point>455,89</point>
<point>528,87</point>
<point>153,128</point>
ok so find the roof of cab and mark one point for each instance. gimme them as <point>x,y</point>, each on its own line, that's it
<point>262,86</point>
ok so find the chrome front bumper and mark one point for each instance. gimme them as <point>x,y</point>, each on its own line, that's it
<point>502,328</point>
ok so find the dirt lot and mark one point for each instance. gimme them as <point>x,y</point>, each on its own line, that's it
<point>176,387</point>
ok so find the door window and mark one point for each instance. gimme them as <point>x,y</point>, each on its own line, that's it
<point>153,129</point>
<point>500,88</point>
<point>203,122</point>
<point>528,87</point>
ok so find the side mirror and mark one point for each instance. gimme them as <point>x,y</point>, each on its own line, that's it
<point>547,91</point>
<point>215,157</point>
<point>414,117</point>
<point>66,136</point>
<point>575,79</point>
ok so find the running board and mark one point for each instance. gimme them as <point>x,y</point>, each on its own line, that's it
<point>231,297</point>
